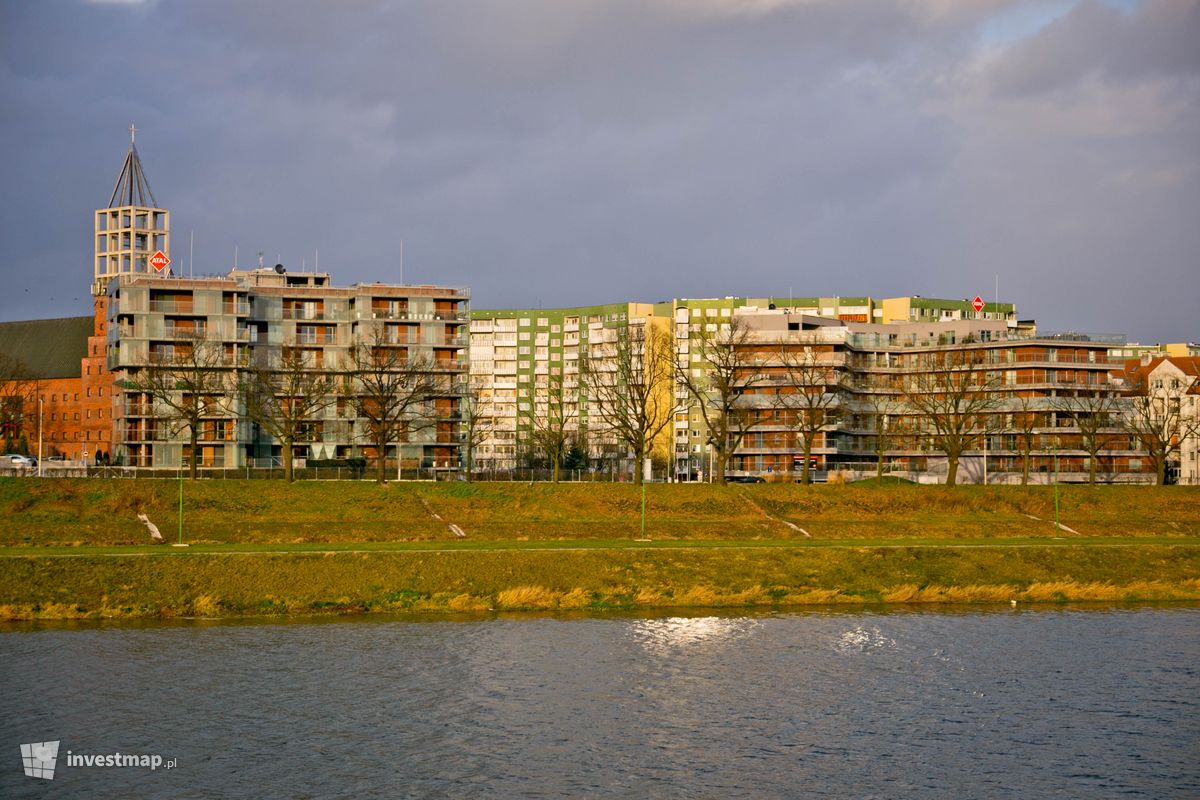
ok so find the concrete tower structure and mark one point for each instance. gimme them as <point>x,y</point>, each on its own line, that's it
<point>131,228</point>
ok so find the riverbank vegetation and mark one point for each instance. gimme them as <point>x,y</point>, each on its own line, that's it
<point>243,584</point>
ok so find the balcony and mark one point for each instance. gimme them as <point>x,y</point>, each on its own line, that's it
<point>138,433</point>
<point>304,314</point>
<point>308,337</point>
<point>173,307</point>
<point>184,331</point>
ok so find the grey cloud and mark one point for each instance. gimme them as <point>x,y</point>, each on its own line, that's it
<point>583,152</point>
<point>1159,40</point>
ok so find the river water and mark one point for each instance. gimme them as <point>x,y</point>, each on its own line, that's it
<point>975,703</point>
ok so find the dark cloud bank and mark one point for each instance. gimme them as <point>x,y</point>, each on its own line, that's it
<point>565,153</point>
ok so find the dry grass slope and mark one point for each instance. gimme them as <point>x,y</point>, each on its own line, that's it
<point>73,512</point>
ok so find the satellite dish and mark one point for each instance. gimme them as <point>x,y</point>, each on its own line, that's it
<point>279,268</point>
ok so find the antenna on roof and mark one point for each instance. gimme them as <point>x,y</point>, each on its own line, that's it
<point>260,259</point>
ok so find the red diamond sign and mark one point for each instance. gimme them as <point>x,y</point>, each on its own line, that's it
<point>159,261</point>
<point>977,304</point>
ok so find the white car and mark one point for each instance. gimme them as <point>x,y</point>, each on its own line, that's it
<point>21,461</point>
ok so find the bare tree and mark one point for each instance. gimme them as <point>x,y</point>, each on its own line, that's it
<point>809,400</point>
<point>955,398</point>
<point>1027,418</point>
<point>1097,415</point>
<point>887,412</point>
<point>388,389</point>
<point>634,397</point>
<point>478,420</point>
<point>190,384</point>
<point>1155,417</point>
<point>17,387</point>
<point>284,393</point>
<point>550,418</point>
<point>717,382</point>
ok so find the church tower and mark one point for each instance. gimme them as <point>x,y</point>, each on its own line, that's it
<point>132,228</point>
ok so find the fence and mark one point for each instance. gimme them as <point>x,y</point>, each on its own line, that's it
<point>276,472</point>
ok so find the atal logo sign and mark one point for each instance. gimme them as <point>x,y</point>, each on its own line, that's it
<point>159,261</point>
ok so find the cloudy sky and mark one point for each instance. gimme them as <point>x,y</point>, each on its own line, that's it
<point>563,152</point>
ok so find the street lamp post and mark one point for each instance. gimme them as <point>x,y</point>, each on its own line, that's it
<point>1057,529</point>
<point>40,473</point>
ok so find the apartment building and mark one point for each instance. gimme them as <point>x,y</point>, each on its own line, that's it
<point>226,325</point>
<point>1047,402</point>
<point>1166,394</point>
<point>530,368</point>
<point>59,396</point>
<point>931,309</point>
<point>520,356</point>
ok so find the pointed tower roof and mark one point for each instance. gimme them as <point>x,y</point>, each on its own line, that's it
<point>132,188</point>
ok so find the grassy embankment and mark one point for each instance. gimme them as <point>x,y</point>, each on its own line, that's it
<point>74,548</point>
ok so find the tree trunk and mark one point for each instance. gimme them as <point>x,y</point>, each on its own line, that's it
<point>1160,471</point>
<point>555,462</point>
<point>470,460</point>
<point>287,460</point>
<point>381,461</point>
<point>1092,469</point>
<point>805,471</point>
<point>721,461</point>
<point>951,470</point>
<point>192,439</point>
<point>638,467</point>
<point>1025,468</point>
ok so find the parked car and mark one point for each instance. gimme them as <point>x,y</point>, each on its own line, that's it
<point>21,461</point>
<point>745,479</point>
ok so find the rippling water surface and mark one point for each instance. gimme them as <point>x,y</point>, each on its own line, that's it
<point>1048,703</point>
